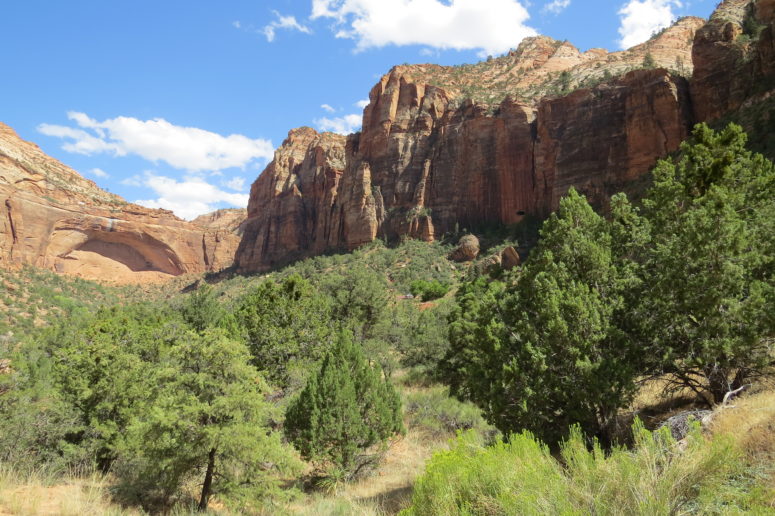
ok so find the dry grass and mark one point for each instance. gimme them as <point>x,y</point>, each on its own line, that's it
<point>35,495</point>
<point>750,420</point>
<point>385,492</point>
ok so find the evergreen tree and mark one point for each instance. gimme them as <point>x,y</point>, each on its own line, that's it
<point>201,310</point>
<point>209,420</point>
<point>345,408</point>
<point>287,325</point>
<point>548,351</point>
<point>103,369</point>
<point>706,311</point>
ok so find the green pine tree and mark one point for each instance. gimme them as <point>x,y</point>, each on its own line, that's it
<point>346,408</point>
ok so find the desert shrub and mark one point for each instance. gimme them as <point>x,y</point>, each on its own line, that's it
<point>656,477</point>
<point>423,338</point>
<point>433,410</point>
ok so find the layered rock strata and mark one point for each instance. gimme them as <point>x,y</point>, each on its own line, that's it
<point>51,217</point>
<point>447,148</point>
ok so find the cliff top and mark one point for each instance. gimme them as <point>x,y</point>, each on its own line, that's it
<point>25,166</point>
<point>542,66</point>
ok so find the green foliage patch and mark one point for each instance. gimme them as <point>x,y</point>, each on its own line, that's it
<point>520,476</point>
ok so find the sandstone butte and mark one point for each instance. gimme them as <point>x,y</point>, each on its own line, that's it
<point>446,147</point>
<point>53,218</point>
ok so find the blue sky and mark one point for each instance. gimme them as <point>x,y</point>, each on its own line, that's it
<point>178,104</point>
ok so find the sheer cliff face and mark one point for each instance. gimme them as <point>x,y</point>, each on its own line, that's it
<point>52,217</point>
<point>734,55</point>
<point>447,146</point>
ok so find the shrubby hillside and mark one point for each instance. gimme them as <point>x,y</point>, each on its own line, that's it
<point>394,378</point>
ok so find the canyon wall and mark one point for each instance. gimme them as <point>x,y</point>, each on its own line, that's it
<point>454,147</point>
<point>53,218</point>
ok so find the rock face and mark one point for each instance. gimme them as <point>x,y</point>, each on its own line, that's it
<point>51,217</point>
<point>467,249</point>
<point>230,220</point>
<point>734,56</point>
<point>443,148</point>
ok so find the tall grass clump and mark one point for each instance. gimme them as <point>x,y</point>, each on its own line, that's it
<point>658,476</point>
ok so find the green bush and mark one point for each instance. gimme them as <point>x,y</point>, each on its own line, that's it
<point>657,477</point>
<point>434,411</point>
<point>428,290</point>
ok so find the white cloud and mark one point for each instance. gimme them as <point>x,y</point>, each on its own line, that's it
<point>236,24</point>
<point>98,172</point>
<point>135,180</point>
<point>556,6</point>
<point>188,198</point>
<point>328,108</point>
<point>343,124</point>
<point>283,22</point>
<point>187,148</point>
<point>83,142</point>
<point>362,103</point>
<point>492,26</point>
<point>236,183</point>
<point>641,18</point>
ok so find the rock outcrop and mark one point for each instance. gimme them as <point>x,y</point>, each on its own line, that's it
<point>734,54</point>
<point>51,217</point>
<point>467,249</point>
<point>444,148</point>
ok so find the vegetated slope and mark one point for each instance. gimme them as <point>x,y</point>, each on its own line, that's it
<point>447,147</point>
<point>53,218</point>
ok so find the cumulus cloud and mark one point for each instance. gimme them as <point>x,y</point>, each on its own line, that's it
<point>98,172</point>
<point>328,108</point>
<point>362,103</point>
<point>187,148</point>
<point>491,26</point>
<point>639,19</point>
<point>236,183</point>
<point>343,124</point>
<point>189,198</point>
<point>283,22</point>
<point>556,6</point>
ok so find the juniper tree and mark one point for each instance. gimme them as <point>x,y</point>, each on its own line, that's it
<point>287,326</point>
<point>346,407</point>
<point>545,350</point>
<point>209,420</point>
<point>706,310</point>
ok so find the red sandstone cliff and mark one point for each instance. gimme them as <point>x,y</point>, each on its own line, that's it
<point>51,217</point>
<point>447,146</point>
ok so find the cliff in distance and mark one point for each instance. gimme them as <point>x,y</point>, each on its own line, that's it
<point>53,218</point>
<point>446,147</point>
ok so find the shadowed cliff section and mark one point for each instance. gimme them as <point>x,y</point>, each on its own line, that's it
<point>53,218</point>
